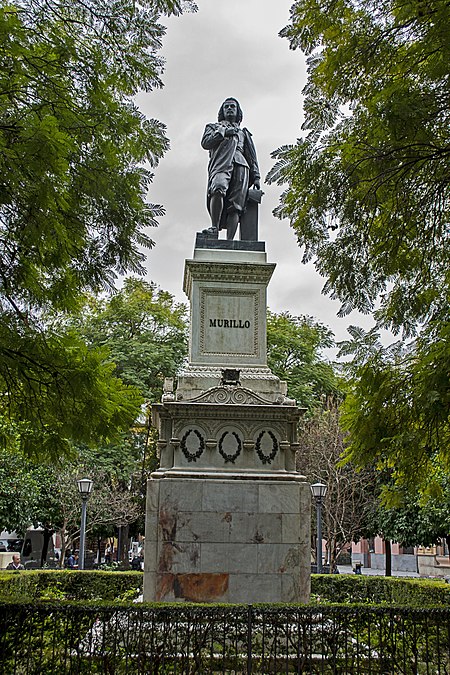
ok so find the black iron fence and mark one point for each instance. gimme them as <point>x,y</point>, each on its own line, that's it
<point>67,638</point>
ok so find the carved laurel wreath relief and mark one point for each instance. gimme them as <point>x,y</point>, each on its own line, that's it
<point>266,459</point>
<point>229,445</point>
<point>229,457</point>
<point>192,456</point>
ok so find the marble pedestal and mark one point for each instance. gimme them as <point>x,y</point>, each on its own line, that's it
<point>228,517</point>
<point>227,540</point>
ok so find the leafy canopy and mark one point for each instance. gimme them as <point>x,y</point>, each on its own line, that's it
<point>76,157</point>
<point>144,330</point>
<point>141,333</point>
<point>397,406</point>
<point>73,144</point>
<point>368,196</point>
<point>295,354</point>
<point>368,185</point>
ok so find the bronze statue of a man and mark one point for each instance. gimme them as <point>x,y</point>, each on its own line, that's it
<point>232,169</point>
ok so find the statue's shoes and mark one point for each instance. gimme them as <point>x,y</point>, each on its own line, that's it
<point>211,232</point>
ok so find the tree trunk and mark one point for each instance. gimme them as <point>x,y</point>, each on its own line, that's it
<point>64,542</point>
<point>119,543</point>
<point>99,551</point>
<point>388,557</point>
<point>124,544</point>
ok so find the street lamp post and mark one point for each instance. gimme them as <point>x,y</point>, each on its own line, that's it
<point>85,489</point>
<point>319,490</point>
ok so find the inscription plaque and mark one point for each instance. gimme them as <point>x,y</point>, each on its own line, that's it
<point>229,323</point>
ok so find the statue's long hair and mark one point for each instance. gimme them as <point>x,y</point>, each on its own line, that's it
<point>221,116</point>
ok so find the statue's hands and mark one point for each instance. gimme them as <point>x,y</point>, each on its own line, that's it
<point>257,185</point>
<point>231,131</point>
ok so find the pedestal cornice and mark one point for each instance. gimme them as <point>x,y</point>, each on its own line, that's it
<point>226,273</point>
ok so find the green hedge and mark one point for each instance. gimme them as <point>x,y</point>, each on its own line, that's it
<point>113,586</point>
<point>354,588</point>
<point>70,585</point>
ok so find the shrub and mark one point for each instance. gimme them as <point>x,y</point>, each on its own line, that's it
<point>329,588</point>
<point>69,585</point>
<point>346,588</point>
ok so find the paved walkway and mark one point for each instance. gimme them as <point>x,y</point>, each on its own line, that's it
<point>348,569</point>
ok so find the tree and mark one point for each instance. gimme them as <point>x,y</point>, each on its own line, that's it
<point>33,494</point>
<point>73,209</point>
<point>145,332</point>
<point>294,353</point>
<point>414,523</point>
<point>24,490</point>
<point>368,187</point>
<point>143,335</point>
<point>368,196</point>
<point>350,499</point>
<point>109,504</point>
<point>397,406</point>
<point>407,517</point>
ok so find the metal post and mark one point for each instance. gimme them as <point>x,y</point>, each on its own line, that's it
<point>249,640</point>
<point>319,534</point>
<point>82,534</point>
<point>318,491</point>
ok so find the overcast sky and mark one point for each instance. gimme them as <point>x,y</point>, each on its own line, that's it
<point>231,48</point>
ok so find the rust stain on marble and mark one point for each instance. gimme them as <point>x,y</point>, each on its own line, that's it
<point>167,522</point>
<point>206,587</point>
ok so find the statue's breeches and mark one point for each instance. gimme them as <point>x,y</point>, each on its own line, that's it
<point>233,185</point>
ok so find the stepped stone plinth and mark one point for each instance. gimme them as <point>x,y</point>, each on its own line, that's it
<point>227,514</point>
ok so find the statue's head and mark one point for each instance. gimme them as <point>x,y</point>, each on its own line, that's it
<point>222,111</point>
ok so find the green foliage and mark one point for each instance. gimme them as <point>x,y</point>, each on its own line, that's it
<point>408,517</point>
<point>349,589</point>
<point>90,586</point>
<point>70,585</point>
<point>294,354</point>
<point>145,331</point>
<point>25,489</point>
<point>73,209</point>
<point>368,186</point>
<point>141,334</point>
<point>37,494</point>
<point>56,388</point>
<point>398,404</point>
<point>368,196</point>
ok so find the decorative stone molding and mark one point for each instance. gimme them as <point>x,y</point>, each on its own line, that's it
<point>193,370</point>
<point>279,476</point>
<point>248,429</point>
<point>231,395</point>
<point>243,273</point>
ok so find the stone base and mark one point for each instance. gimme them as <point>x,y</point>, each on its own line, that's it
<point>205,241</point>
<point>222,540</point>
